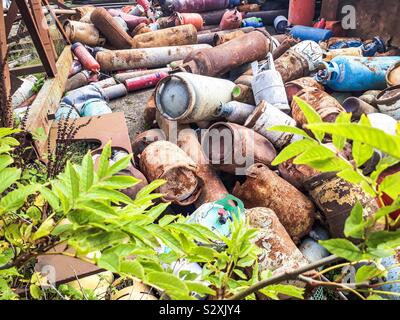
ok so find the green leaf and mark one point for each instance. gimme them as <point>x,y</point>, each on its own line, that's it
<point>51,198</point>
<point>5,161</point>
<point>8,176</point>
<point>200,288</point>
<point>34,213</point>
<point>293,150</point>
<point>44,229</point>
<point>343,248</point>
<point>290,129</point>
<point>150,188</point>
<point>373,137</point>
<point>375,297</point>
<point>391,185</point>
<point>368,272</point>
<point>142,234</point>
<point>119,182</point>
<point>8,131</point>
<point>102,193</point>
<point>384,239</point>
<point>104,161</point>
<point>109,261</point>
<point>133,268</point>
<point>361,153</point>
<point>156,211</point>
<point>351,175</point>
<point>329,165</point>
<point>287,290</point>
<point>316,153</point>
<point>74,181</point>
<point>240,274</point>
<point>35,292</point>
<point>16,199</point>
<point>338,141</point>
<point>87,171</point>
<point>172,285</point>
<point>311,116</point>
<point>166,220</point>
<point>189,230</point>
<point>354,226</point>
<point>203,254</point>
<point>168,239</point>
<point>119,165</point>
<point>5,256</point>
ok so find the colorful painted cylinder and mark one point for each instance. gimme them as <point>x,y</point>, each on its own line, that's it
<point>309,33</point>
<point>84,57</point>
<point>143,82</point>
<point>301,12</point>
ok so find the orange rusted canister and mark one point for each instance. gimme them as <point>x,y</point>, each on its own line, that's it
<point>294,87</point>
<point>264,188</point>
<point>85,33</point>
<point>165,160</point>
<point>143,140</point>
<point>326,106</point>
<point>279,253</point>
<point>233,148</point>
<point>225,37</point>
<point>231,20</point>
<point>189,18</point>
<point>175,36</point>
<point>252,7</point>
<point>301,12</point>
<point>113,32</point>
<point>296,174</point>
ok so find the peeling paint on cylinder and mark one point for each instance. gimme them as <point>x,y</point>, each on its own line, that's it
<point>121,77</point>
<point>389,102</point>
<point>189,18</point>
<point>175,36</point>
<point>229,55</point>
<point>165,160</point>
<point>143,58</point>
<point>188,98</point>
<point>143,140</point>
<point>235,111</point>
<point>292,66</point>
<point>114,92</point>
<point>241,147</point>
<point>213,188</point>
<point>326,106</point>
<point>83,32</point>
<point>294,87</point>
<point>222,38</point>
<point>336,198</point>
<point>113,32</point>
<point>296,174</point>
<point>279,253</point>
<point>198,5</point>
<point>393,276</point>
<point>284,46</point>
<point>264,188</point>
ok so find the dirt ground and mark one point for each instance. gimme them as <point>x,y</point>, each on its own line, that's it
<point>133,106</point>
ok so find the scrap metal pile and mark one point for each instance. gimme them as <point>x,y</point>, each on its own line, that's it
<point>220,81</point>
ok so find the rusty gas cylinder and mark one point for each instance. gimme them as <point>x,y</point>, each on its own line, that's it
<point>175,36</point>
<point>279,253</point>
<point>189,18</point>
<point>326,106</point>
<point>336,198</point>
<point>141,28</point>
<point>393,75</point>
<point>165,160</point>
<point>291,65</point>
<point>358,107</point>
<point>284,46</point>
<point>296,174</point>
<point>231,19</point>
<point>233,148</point>
<point>246,80</point>
<point>264,188</point>
<point>220,59</point>
<point>244,94</point>
<point>220,38</point>
<point>144,139</point>
<point>113,32</point>
<point>213,188</point>
<point>294,87</point>
<point>252,7</point>
<point>84,33</point>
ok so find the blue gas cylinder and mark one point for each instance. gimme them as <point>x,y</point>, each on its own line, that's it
<point>95,107</point>
<point>347,74</point>
<point>252,22</point>
<point>392,276</point>
<point>370,49</point>
<point>346,44</point>
<point>310,33</point>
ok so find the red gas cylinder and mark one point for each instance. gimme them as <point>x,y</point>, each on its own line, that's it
<point>387,200</point>
<point>232,19</point>
<point>144,82</point>
<point>85,58</point>
<point>301,12</point>
<point>144,3</point>
<point>189,18</point>
<point>320,24</point>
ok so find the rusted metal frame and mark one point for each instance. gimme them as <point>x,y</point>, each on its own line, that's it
<point>48,99</point>
<point>11,15</point>
<point>58,23</point>
<point>25,70</point>
<point>59,4</point>
<point>42,47</point>
<point>3,53</point>
<point>15,83</point>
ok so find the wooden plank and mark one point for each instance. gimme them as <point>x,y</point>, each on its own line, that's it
<point>25,70</point>
<point>48,99</point>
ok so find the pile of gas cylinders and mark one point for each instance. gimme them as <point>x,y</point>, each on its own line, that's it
<point>220,80</point>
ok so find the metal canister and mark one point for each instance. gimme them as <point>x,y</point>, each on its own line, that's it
<point>279,253</point>
<point>142,140</point>
<point>268,85</point>
<point>83,32</point>
<point>220,38</point>
<point>121,22</point>
<point>95,107</point>
<point>370,97</point>
<point>264,188</point>
<point>389,102</point>
<point>175,36</point>
<point>358,107</point>
<point>296,174</point>
<point>143,82</point>
<point>24,92</point>
<point>78,80</point>
<point>115,91</point>
<point>283,46</point>
<point>291,65</point>
<point>233,148</point>
<point>393,75</point>
<point>197,5</point>
<point>66,112</point>
<point>165,160</point>
<point>309,33</point>
<point>121,77</point>
<point>113,32</point>
<point>84,57</point>
<point>336,198</point>
<point>294,87</point>
<point>235,111</point>
<point>229,55</point>
<point>246,80</point>
<point>143,58</point>
<point>266,116</point>
<point>231,19</point>
<point>325,105</point>
<point>188,98</point>
<point>244,94</point>
<point>213,188</point>
<point>189,18</point>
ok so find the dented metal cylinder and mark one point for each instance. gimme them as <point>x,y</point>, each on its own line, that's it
<point>235,111</point>
<point>326,106</point>
<point>85,33</point>
<point>175,36</point>
<point>165,160</point>
<point>266,116</point>
<point>264,188</point>
<point>229,55</point>
<point>113,32</point>
<point>279,252</point>
<point>233,148</point>
<point>188,98</point>
<point>143,58</point>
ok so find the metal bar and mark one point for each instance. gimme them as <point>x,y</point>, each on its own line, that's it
<point>46,57</point>
<point>22,71</point>
<point>3,63</point>
<point>11,15</point>
<point>58,23</point>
